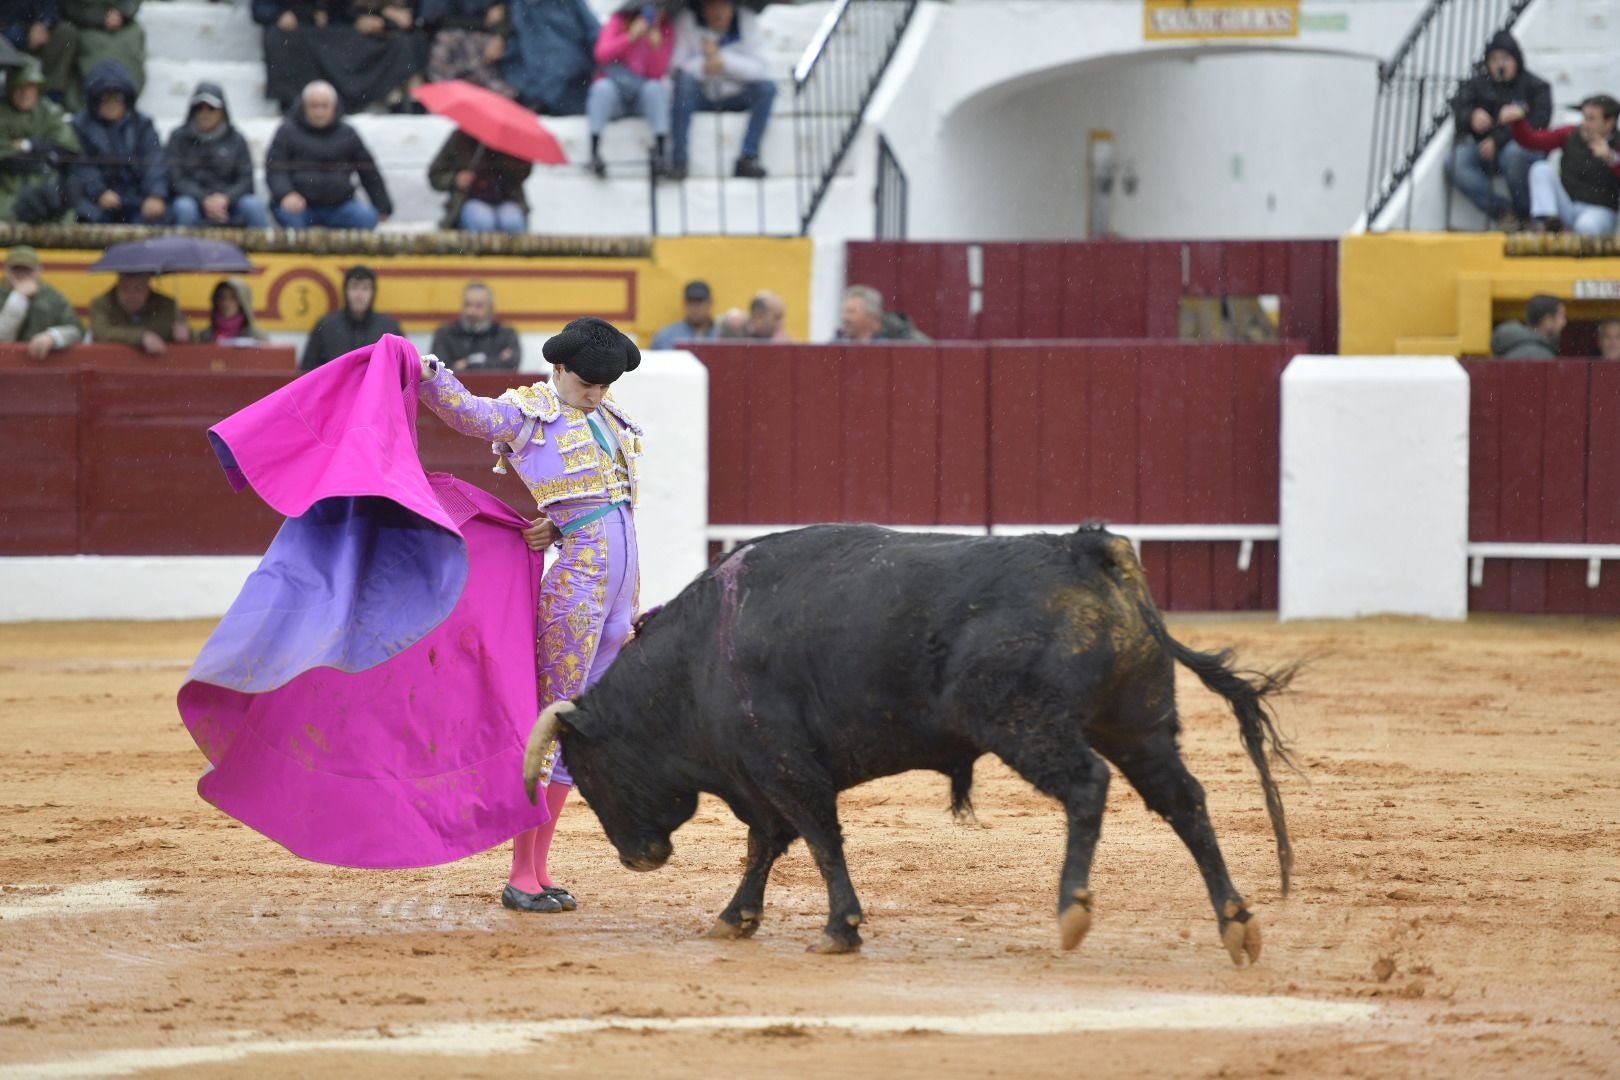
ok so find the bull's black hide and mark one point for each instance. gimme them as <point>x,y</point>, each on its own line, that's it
<point>811,661</point>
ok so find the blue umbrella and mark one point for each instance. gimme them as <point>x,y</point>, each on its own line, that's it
<point>173,255</point>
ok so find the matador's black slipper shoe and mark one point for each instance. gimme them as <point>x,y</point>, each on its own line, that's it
<point>562,896</point>
<point>518,900</point>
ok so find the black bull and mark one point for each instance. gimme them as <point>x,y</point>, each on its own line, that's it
<point>811,661</point>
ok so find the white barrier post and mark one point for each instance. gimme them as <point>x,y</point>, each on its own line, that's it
<point>1374,511</point>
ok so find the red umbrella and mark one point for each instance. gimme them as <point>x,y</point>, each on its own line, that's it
<point>499,123</point>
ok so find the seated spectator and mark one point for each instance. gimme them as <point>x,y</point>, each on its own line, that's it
<point>468,42</point>
<point>550,46</point>
<point>1584,194</point>
<point>477,341</point>
<point>732,325</point>
<point>1609,339</point>
<point>767,313</point>
<point>486,188</point>
<point>132,314</point>
<point>311,168</point>
<point>230,315</point>
<point>33,311</point>
<point>1537,337</point>
<point>359,323</point>
<point>37,142</point>
<point>699,321</point>
<point>210,169</point>
<point>864,320</point>
<point>106,30</point>
<point>122,176</point>
<point>369,50</point>
<point>634,52</point>
<point>36,27</point>
<point>1484,147</point>
<point>720,66</point>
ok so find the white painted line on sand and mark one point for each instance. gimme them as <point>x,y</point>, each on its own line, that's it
<point>1155,1012</point>
<point>44,901</point>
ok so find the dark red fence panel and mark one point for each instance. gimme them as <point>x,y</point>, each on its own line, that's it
<point>1099,289</point>
<point>39,443</point>
<point>204,356</point>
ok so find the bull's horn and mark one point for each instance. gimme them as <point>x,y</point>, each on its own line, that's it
<point>541,754</point>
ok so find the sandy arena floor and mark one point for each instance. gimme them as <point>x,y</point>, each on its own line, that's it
<point>1456,904</point>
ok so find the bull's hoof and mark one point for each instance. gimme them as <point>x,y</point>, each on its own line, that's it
<point>725,930</point>
<point>1242,935</point>
<point>829,945</point>
<point>1075,920</point>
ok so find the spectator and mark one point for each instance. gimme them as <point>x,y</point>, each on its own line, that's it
<point>106,30</point>
<point>1484,148</point>
<point>1514,340</point>
<point>36,27</point>
<point>210,169</point>
<point>122,176</point>
<point>468,42</point>
<point>1584,194</point>
<point>33,311</point>
<point>486,189</point>
<point>132,314</point>
<point>311,166</point>
<point>1609,339</point>
<point>720,66</point>
<point>368,50</point>
<point>477,341</point>
<point>37,141</point>
<point>359,324</point>
<point>634,52</point>
<point>549,54</point>
<point>767,313</point>
<point>732,325</point>
<point>699,321</point>
<point>864,320</point>
<point>230,318</point>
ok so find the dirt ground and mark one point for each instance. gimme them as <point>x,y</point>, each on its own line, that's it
<point>1456,903</point>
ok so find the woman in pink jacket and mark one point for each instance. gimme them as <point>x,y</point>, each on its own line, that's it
<point>633,53</point>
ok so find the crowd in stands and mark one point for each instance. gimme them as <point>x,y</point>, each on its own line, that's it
<point>1539,335</point>
<point>1505,130</point>
<point>74,145</point>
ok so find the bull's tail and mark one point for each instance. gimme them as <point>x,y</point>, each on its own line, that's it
<point>1249,694</point>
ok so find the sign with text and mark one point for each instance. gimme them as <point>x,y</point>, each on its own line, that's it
<point>1598,289</point>
<point>1214,20</point>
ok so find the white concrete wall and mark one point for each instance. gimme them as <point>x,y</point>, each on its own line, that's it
<point>1374,493</point>
<point>668,396</point>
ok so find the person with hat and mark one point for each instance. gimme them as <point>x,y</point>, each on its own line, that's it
<point>357,325</point>
<point>579,454</point>
<point>122,177</point>
<point>37,141</point>
<point>210,168</point>
<point>36,27</point>
<point>699,321</point>
<point>33,311</point>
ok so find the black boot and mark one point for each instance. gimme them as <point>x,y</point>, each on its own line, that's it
<point>749,168</point>
<point>598,167</point>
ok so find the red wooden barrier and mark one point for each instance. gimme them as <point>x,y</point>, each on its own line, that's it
<point>39,444</point>
<point>1099,289</point>
<point>201,357</point>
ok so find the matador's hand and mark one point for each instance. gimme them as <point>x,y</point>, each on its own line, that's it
<point>541,534</point>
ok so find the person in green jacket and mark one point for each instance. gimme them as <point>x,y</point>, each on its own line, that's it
<point>107,31</point>
<point>32,311</point>
<point>36,139</point>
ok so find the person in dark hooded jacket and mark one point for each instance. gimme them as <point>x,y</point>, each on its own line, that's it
<point>359,323</point>
<point>210,168</point>
<point>312,163</point>
<point>122,174</point>
<point>1485,147</point>
<point>550,54</point>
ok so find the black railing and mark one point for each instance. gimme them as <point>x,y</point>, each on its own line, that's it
<point>832,85</point>
<point>889,195</point>
<point>1416,85</point>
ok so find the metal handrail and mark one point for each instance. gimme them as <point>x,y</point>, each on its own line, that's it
<point>1417,84</point>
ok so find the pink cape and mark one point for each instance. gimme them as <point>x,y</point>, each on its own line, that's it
<point>367,698</point>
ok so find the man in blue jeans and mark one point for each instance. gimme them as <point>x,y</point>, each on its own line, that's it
<point>1484,148</point>
<point>311,167</point>
<point>720,66</point>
